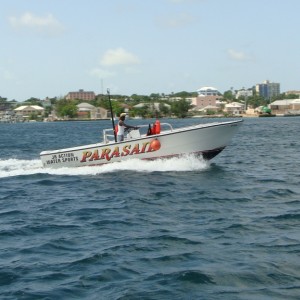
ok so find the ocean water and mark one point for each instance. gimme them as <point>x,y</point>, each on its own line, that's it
<point>167,229</point>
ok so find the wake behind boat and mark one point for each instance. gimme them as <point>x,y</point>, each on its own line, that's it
<point>161,141</point>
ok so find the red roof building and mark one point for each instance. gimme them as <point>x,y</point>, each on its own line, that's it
<point>81,95</point>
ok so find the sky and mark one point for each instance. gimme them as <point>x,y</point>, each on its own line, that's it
<point>52,47</point>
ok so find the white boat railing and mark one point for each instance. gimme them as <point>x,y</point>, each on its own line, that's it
<point>108,134</point>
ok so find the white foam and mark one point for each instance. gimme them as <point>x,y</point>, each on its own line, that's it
<point>17,167</point>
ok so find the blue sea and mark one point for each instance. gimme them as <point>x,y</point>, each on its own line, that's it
<point>181,228</point>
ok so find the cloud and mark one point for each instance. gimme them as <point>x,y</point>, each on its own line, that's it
<point>236,55</point>
<point>46,25</point>
<point>116,58</point>
<point>119,56</point>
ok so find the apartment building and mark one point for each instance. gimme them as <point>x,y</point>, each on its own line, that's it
<point>81,95</point>
<point>268,89</point>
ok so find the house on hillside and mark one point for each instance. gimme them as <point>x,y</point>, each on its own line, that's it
<point>26,111</point>
<point>201,102</point>
<point>234,108</point>
<point>88,111</point>
<point>81,95</point>
<point>207,96</point>
<point>286,106</point>
<point>209,108</point>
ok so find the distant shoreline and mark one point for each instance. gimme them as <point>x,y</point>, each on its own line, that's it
<point>192,117</point>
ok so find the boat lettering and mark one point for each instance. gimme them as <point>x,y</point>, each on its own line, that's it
<point>85,155</point>
<point>105,154</point>
<point>143,150</point>
<point>135,150</point>
<point>126,150</point>
<point>115,153</point>
<point>61,158</point>
<point>109,153</point>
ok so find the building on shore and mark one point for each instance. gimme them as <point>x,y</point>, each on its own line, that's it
<point>244,93</point>
<point>285,107</point>
<point>207,96</point>
<point>234,108</point>
<point>268,89</point>
<point>81,95</point>
<point>294,92</point>
<point>88,111</point>
<point>26,111</point>
<point>208,91</point>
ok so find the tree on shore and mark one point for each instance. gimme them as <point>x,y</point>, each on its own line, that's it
<point>33,101</point>
<point>66,108</point>
<point>180,108</point>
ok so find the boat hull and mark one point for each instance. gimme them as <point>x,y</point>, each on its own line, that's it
<point>206,140</point>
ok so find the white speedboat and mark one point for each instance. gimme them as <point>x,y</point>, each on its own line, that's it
<point>206,140</point>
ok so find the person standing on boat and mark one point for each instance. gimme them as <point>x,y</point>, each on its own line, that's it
<point>122,126</point>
